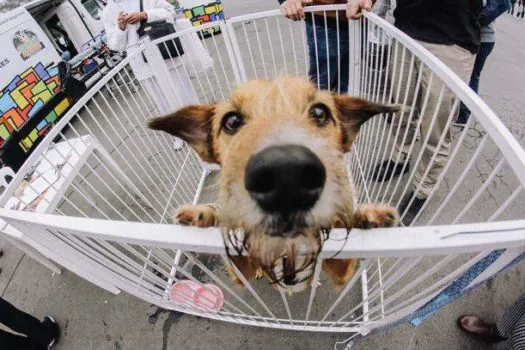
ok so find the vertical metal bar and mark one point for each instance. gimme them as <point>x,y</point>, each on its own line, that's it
<point>271,46</point>
<point>433,158</point>
<point>250,52</point>
<point>286,306</point>
<point>219,56</point>
<point>249,287</point>
<point>315,283</point>
<point>381,291</point>
<point>329,87</point>
<point>316,51</point>
<point>450,159</point>
<point>505,204</point>
<point>364,289</point>
<point>357,274</point>
<point>480,191</point>
<point>260,49</point>
<point>338,53</point>
<point>425,142</point>
<point>282,45</point>
<point>294,49</point>
<point>234,52</point>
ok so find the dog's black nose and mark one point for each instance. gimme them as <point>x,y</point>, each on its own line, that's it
<point>285,179</point>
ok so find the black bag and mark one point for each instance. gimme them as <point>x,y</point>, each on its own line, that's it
<point>158,29</point>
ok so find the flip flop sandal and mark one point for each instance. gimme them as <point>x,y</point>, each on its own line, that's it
<point>480,329</point>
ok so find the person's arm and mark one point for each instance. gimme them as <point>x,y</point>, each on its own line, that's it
<point>117,38</point>
<point>493,10</point>
<point>294,9</point>
<point>354,7</point>
<point>163,11</point>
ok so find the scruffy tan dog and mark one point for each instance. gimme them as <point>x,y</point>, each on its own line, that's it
<point>283,182</point>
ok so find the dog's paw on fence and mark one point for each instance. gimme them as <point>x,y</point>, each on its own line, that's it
<point>201,215</point>
<point>374,216</point>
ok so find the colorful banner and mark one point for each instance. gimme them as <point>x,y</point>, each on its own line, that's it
<point>204,14</point>
<point>28,76</point>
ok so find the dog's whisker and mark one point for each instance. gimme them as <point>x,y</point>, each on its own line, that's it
<point>342,245</point>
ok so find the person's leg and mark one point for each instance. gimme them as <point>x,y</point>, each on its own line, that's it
<point>312,55</point>
<point>517,337</point>
<point>484,51</point>
<point>159,104</point>
<point>403,81</point>
<point>461,62</point>
<point>155,95</point>
<point>318,59</point>
<point>183,87</point>
<point>10,341</point>
<point>339,59</point>
<point>21,322</point>
<point>344,72</point>
<point>511,326</point>
<point>511,316</point>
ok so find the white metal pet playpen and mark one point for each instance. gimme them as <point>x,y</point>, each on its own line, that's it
<point>103,210</point>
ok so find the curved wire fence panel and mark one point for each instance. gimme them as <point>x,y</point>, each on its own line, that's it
<point>112,184</point>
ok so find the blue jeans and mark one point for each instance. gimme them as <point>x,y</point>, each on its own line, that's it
<point>484,51</point>
<point>326,70</point>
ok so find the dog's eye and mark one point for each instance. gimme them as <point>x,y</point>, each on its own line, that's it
<point>232,122</point>
<point>320,114</point>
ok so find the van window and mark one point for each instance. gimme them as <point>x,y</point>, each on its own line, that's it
<point>60,36</point>
<point>94,7</point>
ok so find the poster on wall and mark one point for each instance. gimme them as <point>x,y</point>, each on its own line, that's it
<point>28,76</point>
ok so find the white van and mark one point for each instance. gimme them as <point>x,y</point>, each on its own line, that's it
<point>72,25</point>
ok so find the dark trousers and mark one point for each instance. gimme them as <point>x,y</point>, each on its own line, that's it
<point>484,51</point>
<point>329,59</point>
<point>38,336</point>
<point>512,325</point>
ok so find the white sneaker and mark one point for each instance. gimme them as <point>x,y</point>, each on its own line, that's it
<point>52,325</point>
<point>178,144</point>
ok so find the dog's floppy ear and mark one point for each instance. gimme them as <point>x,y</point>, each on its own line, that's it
<point>193,124</point>
<point>354,112</point>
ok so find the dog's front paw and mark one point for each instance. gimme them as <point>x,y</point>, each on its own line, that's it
<point>373,216</point>
<point>259,273</point>
<point>201,215</point>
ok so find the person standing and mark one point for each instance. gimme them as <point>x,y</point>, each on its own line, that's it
<point>492,10</point>
<point>513,4</point>
<point>38,335</point>
<point>450,30</point>
<point>328,45</point>
<point>122,19</point>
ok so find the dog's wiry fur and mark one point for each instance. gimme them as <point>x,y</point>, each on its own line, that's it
<point>278,113</point>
